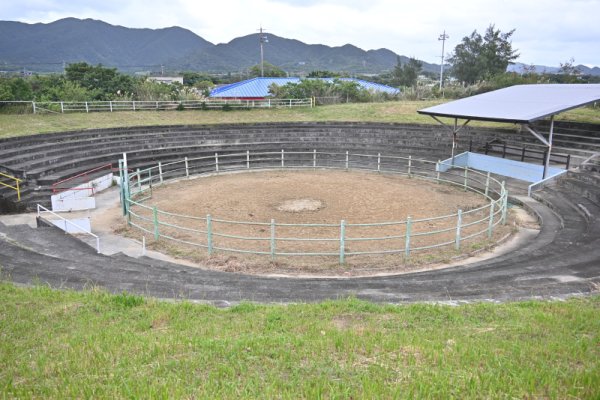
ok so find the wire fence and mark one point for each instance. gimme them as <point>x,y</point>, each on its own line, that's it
<point>338,239</point>
<point>37,107</point>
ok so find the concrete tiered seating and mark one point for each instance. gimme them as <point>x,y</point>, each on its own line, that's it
<point>563,259</point>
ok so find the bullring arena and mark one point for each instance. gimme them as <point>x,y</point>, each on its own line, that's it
<point>253,195</point>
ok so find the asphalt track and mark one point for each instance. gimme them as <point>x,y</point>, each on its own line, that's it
<point>562,261</point>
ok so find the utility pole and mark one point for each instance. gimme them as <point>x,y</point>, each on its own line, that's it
<point>443,38</point>
<point>262,38</point>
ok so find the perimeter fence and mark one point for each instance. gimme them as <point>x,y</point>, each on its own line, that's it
<point>63,107</point>
<point>339,239</point>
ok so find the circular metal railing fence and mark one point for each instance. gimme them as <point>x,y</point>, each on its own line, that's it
<point>338,239</point>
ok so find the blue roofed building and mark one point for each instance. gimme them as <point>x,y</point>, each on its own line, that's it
<point>258,88</point>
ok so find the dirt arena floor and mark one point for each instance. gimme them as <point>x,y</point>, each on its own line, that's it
<point>315,197</point>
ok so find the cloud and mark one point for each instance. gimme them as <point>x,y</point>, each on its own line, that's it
<point>546,32</point>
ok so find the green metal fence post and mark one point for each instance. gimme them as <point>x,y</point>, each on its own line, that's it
<point>504,203</point>
<point>272,239</point>
<point>458,226</point>
<point>209,243</point>
<point>139,180</point>
<point>342,240</point>
<point>121,185</point>
<point>487,184</point>
<point>491,220</point>
<point>155,220</point>
<point>187,168</point>
<point>126,193</point>
<point>407,237</point>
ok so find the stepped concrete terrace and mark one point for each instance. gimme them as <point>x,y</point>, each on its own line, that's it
<point>42,160</point>
<point>563,259</point>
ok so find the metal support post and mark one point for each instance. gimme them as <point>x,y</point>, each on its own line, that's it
<point>209,243</point>
<point>247,159</point>
<point>272,239</point>
<point>407,237</point>
<point>282,158</point>
<point>487,184</point>
<point>315,158</point>
<point>187,168</point>
<point>504,203</point>
<point>342,241</point>
<point>155,220</point>
<point>458,226</point>
<point>217,162</point>
<point>160,174</point>
<point>378,162</point>
<point>139,180</point>
<point>491,220</point>
<point>409,165</point>
<point>347,160</point>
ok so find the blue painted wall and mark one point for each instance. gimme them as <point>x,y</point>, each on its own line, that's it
<point>501,166</point>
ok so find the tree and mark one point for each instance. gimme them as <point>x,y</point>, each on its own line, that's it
<point>270,70</point>
<point>15,89</point>
<point>569,68</point>
<point>407,74</point>
<point>323,74</point>
<point>102,83</point>
<point>478,58</point>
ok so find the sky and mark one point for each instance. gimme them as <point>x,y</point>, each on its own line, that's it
<point>547,32</point>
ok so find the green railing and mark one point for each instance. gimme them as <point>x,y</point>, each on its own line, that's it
<point>340,239</point>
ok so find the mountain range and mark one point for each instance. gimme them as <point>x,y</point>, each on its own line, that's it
<point>48,47</point>
<point>45,47</point>
<point>540,69</point>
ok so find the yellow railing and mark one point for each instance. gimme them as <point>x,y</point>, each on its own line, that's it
<point>16,187</point>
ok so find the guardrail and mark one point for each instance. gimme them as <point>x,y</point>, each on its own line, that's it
<point>41,209</point>
<point>16,187</point>
<point>59,186</point>
<point>317,239</point>
<point>523,153</point>
<point>36,107</point>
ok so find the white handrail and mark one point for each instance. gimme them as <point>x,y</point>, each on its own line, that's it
<point>39,213</point>
<point>544,181</point>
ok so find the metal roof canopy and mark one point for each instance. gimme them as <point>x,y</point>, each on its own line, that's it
<point>520,104</point>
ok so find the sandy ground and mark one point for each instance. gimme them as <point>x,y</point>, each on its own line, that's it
<point>313,197</point>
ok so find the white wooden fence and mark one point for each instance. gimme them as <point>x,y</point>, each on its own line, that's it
<point>37,107</point>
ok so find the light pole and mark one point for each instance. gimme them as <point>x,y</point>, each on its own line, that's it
<point>262,38</point>
<point>443,38</point>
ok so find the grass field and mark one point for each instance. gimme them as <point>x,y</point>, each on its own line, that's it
<point>65,344</point>
<point>402,112</point>
<point>90,344</point>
